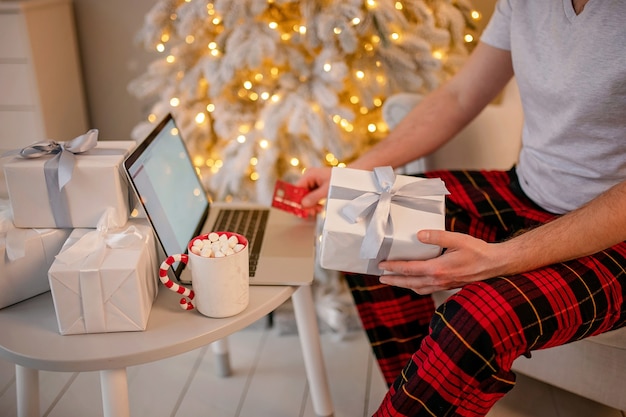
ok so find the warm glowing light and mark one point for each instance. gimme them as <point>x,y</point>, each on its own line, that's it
<point>294,162</point>
<point>438,54</point>
<point>395,36</point>
<point>265,95</point>
<point>337,31</point>
<point>363,110</point>
<point>170,59</point>
<point>398,6</point>
<point>200,118</point>
<point>258,77</point>
<point>165,37</point>
<point>327,67</point>
<point>378,102</point>
<point>264,144</point>
<point>189,39</point>
<point>247,85</point>
<point>371,128</point>
<point>354,99</point>
<point>360,74</point>
<point>198,160</point>
<point>174,102</point>
<point>254,176</point>
<point>254,161</point>
<point>152,118</point>
<point>475,15</point>
<point>212,45</point>
<point>273,25</point>
<point>210,107</point>
<point>468,38</point>
<point>216,21</point>
<point>253,96</point>
<point>356,21</point>
<point>302,30</point>
<point>160,47</point>
<point>370,3</point>
<point>241,139</point>
<point>275,98</point>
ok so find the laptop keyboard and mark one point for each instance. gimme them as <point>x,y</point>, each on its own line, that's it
<point>248,222</point>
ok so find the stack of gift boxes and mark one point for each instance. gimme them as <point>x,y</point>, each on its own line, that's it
<point>66,228</point>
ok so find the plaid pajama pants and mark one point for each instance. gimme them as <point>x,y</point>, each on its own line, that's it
<point>456,360</point>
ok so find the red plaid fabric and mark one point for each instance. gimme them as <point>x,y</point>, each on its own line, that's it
<point>456,361</point>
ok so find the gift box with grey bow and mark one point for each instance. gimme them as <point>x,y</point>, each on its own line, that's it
<point>68,184</point>
<point>375,215</point>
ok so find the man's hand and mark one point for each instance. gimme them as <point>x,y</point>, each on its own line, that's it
<point>317,180</point>
<point>466,259</point>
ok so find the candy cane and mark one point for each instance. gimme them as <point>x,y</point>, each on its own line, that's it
<point>186,292</point>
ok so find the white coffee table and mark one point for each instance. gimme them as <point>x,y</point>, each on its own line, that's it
<point>30,339</point>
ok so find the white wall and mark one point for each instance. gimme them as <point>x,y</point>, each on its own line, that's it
<point>110,59</point>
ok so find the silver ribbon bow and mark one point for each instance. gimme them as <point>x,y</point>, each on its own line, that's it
<point>376,205</point>
<point>58,170</point>
<point>64,151</point>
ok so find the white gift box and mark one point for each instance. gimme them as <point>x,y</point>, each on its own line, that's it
<point>96,182</point>
<point>26,257</point>
<point>107,289</point>
<point>375,215</point>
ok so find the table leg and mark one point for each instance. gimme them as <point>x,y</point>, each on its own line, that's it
<point>27,388</point>
<point>114,386</point>
<point>308,331</point>
<point>221,357</point>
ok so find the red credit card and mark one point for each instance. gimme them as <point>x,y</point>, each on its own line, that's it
<point>288,197</point>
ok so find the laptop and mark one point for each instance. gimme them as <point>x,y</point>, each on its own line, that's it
<point>160,170</point>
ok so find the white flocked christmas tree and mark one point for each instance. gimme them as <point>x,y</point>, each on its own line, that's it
<point>262,89</point>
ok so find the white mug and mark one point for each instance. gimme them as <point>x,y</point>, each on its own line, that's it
<point>220,284</point>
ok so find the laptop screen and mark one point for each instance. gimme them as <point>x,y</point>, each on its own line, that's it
<point>168,186</point>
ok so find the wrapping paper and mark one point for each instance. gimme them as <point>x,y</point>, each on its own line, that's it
<point>375,215</point>
<point>105,280</point>
<point>27,254</point>
<point>68,185</point>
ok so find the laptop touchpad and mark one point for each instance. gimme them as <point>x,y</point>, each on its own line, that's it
<point>289,240</point>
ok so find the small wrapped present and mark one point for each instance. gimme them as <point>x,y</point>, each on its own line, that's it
<point>26,257</point>
<point>375,215</point>
<point>69,184</point>
<point>105,280</point>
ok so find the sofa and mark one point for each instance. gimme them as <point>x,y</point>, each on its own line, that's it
<point>594,368</point>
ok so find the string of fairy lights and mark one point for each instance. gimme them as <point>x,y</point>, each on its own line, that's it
<point>365,76</point>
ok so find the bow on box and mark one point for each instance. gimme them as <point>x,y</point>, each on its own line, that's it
<point>91,247</point>
<point>14,239</point>
<point>106,294</point>
<point>59,169</point>
<point>375,207</point>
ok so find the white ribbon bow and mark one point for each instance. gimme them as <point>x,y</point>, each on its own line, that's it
<point>90,248</point>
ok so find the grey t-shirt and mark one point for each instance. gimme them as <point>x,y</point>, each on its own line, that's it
<point>571,72</point>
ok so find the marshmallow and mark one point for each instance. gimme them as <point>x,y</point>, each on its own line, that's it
<point>216,246</point>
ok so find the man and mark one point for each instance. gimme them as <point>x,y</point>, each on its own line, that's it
<point>538,252</point>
